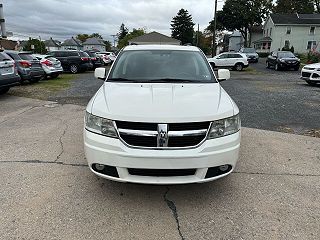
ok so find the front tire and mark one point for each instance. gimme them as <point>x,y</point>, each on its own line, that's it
<point>268,65</point>
<point>277,67</point>
<point>4,90</point>
<point>311,83</point>
<point>74,69</point>
<point>238,67</point>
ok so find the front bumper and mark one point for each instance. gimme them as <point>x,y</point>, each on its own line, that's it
<point>310,75</point>
<point>289,65</point>
<point>112,152</point>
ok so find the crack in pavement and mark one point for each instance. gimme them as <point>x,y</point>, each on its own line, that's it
<point>174,211</point>
<point>45,162</point>
<point>277,174</point>
<point>61,143</point>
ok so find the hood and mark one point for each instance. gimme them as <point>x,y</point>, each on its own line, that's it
<point>163,102</point>
<point>314,65</point>
<point>289,59</point>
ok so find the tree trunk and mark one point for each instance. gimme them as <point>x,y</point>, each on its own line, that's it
<point>250,36</point>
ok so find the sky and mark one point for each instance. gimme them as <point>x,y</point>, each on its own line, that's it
<point>62,19</point>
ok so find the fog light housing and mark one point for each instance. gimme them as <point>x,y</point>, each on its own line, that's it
<point>99,167</point>
<point>224,168</point>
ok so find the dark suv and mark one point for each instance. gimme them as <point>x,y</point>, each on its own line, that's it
<point>8,73</point>
<point>283,60</point>
<point>73,61</point>
<point>95,60</point>
<point>29,67</point>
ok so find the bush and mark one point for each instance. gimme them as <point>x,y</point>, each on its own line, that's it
<point>292,49</point>
<point>313,57</point>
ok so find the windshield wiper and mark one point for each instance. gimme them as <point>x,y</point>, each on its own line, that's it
<point>121,80</point>
<point>173,80</point>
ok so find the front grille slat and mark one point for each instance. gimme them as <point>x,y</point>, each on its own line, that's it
<point>145,135</point>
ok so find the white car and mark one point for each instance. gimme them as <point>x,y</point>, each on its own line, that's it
<point>105,59</point>
<point>236,61</point>
<point>311,74</point>
<point>161,117</point>
<point>51,66</point>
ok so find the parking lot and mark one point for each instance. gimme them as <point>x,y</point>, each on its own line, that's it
<point>48,192</point>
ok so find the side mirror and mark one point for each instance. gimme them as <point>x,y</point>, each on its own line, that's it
<point>223,75</point>
<point>100,73</point>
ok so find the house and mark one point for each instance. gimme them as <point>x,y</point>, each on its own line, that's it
<point>235,41</point>
<point>6,44</point>
<point>94,44</point>
<point>154,38</point>
<point>52,45</point>
<point>71,44</point>
<point>301,31</point>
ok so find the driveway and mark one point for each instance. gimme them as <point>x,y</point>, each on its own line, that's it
<point>48,192</point>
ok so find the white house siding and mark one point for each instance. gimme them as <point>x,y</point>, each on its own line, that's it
<point>49,49</point>
<point>299,37</point>
<point>71,47</point>
<point>101,48</point>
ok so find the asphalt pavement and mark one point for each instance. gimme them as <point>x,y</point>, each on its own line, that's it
<point>48,192</point>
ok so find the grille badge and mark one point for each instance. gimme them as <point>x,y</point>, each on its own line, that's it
<point>163,137</point>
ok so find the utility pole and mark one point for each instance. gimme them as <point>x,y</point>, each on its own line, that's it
<point>114,39</point>
<point>2,23</point>
<point>213,53</point>
<point>40,45</point>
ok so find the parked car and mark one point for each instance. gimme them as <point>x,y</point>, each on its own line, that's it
<point>311,74</point>
<point>251,54</point>
<point>8,73</point>
<point>51,66</point>
<point>29,67</point>
<point>236,61</point>
<point>95,59</point>
<point>283,60</point>
<point>73,61</point>
<point>104,57</point>
<point>161,117</point>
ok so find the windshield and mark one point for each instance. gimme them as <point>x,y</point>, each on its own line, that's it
<point>286,55</point>
<point>248,50</point>
<point>162,66</point>
<point>26,56</point>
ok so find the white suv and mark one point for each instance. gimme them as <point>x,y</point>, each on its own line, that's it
<point>237,61</point>
<point>161,117</point>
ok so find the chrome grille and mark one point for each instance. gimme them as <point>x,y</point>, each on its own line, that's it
<point>168,135</point>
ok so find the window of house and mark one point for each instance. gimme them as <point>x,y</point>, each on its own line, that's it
<point>311,45</point>
<point>287,44</point>
<point>264,32</point>
<point>267,32</point>
<point>312,30</point>
<point>270,31</point>
<point>288,30</point>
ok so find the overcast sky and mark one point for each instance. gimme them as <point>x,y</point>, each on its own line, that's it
<point>62,19</point>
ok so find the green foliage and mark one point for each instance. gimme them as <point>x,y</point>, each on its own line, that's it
<point>182,27</point>
<point>108,45</point>
<point>313,57</point>
<point>39,47</point>
<point>292,49</point>
<point>83,37</point>
<point>242,15</point>
<point>135,33</point>
<point>123,31</point>
<point>204,42</point>
<point>295,6</point>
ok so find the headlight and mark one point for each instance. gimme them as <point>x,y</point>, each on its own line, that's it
<point>100,125</point>
<point>224,127</point>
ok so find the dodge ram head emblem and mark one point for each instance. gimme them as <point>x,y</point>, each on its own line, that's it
<point>162,139</point>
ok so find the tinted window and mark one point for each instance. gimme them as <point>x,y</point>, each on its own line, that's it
<point>72,54</point>
<point>164,65</point>
<point>223,56</point>
<point>91,54</point>
<point>4,57</point>
<point>233,55</point>
<point>286,55</point>
<point>25,56</point>
<point>14,56</point>
<point>248,50</point>
<point>83,54</point>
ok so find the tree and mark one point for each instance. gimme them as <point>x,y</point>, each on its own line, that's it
<point>182,27</point>
<point>83,37</point>
<point>38,46</point>
<point>135,33</point>
<point>108,45</point>
<point>122,32</point>
<point>243,15</point>
<point>317,5</point>
<point>295,6</point>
